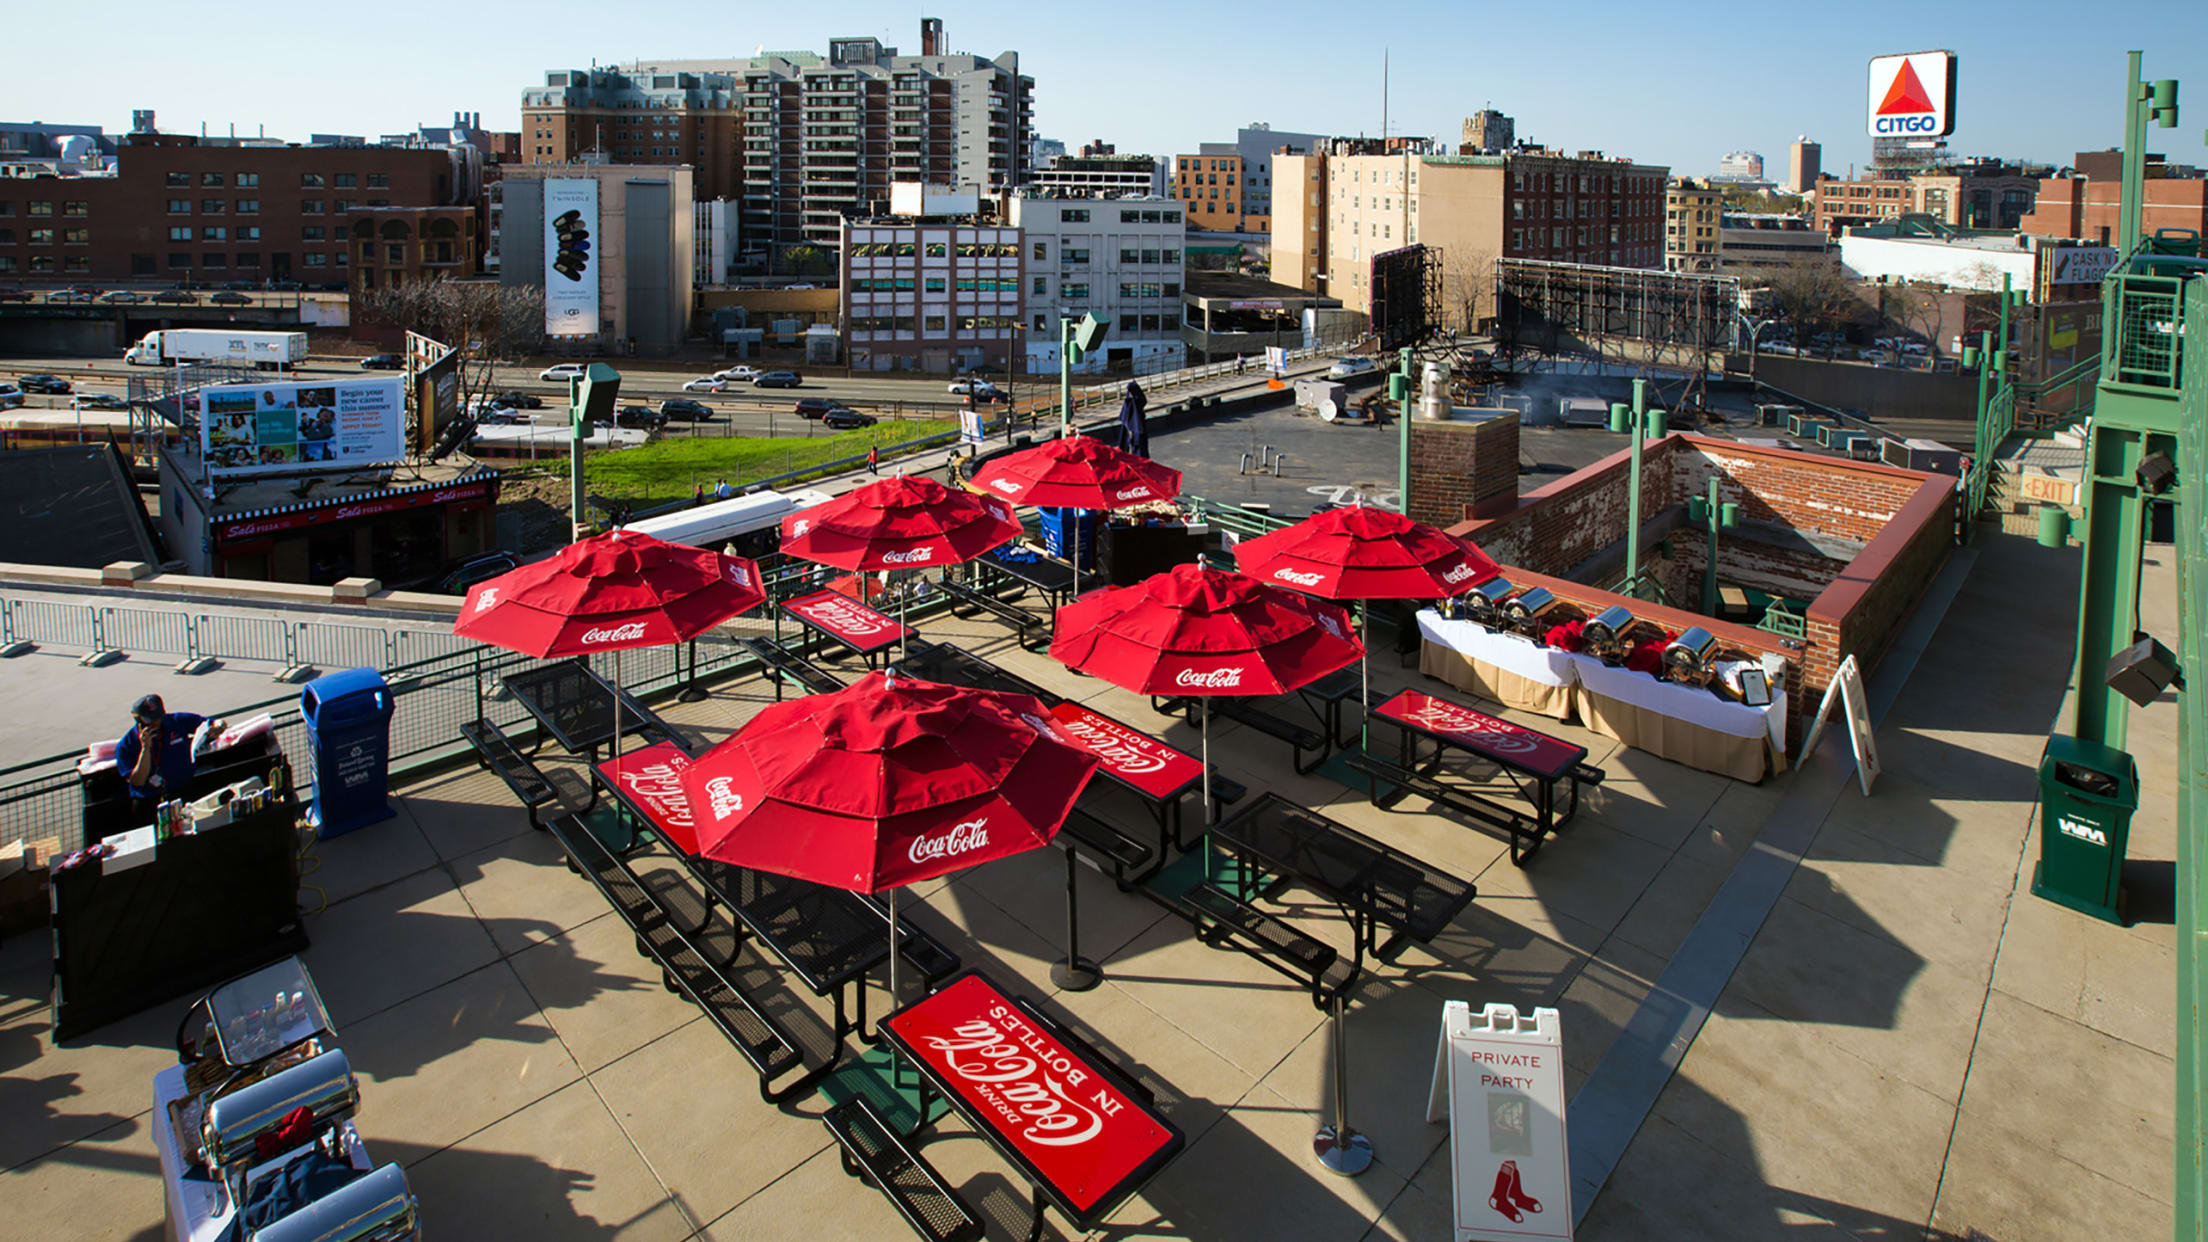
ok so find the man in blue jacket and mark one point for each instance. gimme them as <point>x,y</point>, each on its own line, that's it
<point>155,757</point>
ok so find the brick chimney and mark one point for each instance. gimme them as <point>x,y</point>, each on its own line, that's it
<point>931,37</point>
<point>1463,467</point>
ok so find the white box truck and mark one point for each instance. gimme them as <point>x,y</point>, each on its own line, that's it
<point>266,350</point>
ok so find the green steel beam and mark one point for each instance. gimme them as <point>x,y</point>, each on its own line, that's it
<point>2133,190</point>
<point>2192,776</point>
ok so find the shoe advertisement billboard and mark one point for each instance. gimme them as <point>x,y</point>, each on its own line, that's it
<point>571,248</point>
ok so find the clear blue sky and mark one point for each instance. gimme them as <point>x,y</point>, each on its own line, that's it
<point>2038,80</point>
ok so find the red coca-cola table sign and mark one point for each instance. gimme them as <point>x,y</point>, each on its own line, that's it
<point>1135,759</point>
<point>1068,1122</point>
<point>1511,745</point>
<point>846,620</point>
<point>649,782</point>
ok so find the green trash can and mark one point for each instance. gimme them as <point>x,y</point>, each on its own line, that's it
<point>2087,793</point>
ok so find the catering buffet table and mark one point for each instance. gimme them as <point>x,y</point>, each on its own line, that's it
<point>1686,724</point>
<point>1503,668</point>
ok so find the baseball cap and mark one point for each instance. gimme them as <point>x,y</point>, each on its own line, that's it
<point>148,708</point>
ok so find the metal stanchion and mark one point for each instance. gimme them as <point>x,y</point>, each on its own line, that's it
<point>1339,1147</point>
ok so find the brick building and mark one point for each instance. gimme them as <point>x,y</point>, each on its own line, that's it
<point>2089,207</point>
<point>1691,211</point>
<point>1976,194</point>
<point>176,210</point>
<point>935,288</point>
<point>401,245</point>
<point>1528,203</point>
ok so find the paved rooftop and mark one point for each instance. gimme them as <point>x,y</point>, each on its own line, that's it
<point>1910,1045</point>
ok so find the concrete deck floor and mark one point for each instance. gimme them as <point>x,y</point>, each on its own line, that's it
<point>1913,1046</point>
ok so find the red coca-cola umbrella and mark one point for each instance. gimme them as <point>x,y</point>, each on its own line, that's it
<point>1198,631</point>
<point>899,523</point>
<point>610,592</point>
<point>1363,554</point>
<point>1077,472</point>
<point>887,782</point>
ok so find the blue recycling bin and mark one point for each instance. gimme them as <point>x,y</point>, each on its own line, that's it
<point>1060,527</point>
<point>348,717</point>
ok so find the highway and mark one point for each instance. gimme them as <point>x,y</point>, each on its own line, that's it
<point>643,381</point>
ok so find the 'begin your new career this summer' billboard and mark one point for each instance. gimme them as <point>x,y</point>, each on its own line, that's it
<point>571,247</point>
<point>272,428</point>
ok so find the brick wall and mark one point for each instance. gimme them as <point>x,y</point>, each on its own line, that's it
<point>1553,528</point>
<point>1461,466</point>
<point>1865,606</point>
<point>1796,573</point>
<point>1840,500</point>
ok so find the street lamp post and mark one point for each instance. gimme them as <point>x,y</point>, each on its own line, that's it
<point>1076,338</point>
<point>1755,336</point>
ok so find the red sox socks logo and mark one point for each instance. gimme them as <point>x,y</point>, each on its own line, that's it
<point>486,599</point>
<point>1510,1197</point>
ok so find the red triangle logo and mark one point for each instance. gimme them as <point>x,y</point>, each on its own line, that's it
<point>1906,95</point>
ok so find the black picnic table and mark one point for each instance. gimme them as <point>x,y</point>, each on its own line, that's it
<point>830,938</point>
<point>575,706</point>
<point>1547,771</point>
<point>955,666</point>
<point>1048,575</point>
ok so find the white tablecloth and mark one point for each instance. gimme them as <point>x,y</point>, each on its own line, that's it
<point>1688,703</point>
<point>1508,652</point>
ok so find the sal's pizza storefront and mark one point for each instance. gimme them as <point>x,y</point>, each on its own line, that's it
<point>401,536</point>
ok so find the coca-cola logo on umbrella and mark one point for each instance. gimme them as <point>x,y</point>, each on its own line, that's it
<point>738,575</point>
<point>1010,487</point>
<point>628,633</point>
<point>1462,571</point>
<point>722,798</point>
<point>486,599</point>
<point>915,556</point>
<point>1296,577</point>
<point>1216,679</point>
<point>965,838</point>
<point>1136,492</point>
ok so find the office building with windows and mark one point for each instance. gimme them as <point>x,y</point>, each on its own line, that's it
<point>932,286</point>
<point>1119,257</point>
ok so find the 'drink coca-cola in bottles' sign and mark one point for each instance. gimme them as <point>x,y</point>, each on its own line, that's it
<point>854,623</point>
<point>1089,1141</point>
<point>1135,758</point>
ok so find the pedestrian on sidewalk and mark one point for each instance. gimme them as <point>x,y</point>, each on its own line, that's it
<point>699,498</point>
<point>873,459</point>
<point>724,491</point>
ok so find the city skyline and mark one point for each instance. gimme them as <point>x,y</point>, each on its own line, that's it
<point>1784,75</point>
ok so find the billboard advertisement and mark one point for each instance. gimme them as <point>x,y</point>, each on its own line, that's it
<point>571,256</point>
<point>1913,95</point>
<point>276,428</point>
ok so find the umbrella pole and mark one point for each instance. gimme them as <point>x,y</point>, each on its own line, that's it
<point>893,955</point>
<point>1204,731</point>
<point>1074,974</point>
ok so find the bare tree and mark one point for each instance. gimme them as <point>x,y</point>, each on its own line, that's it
<point>1468,287</point>
<point>1813,298</point>
<point>484,321</point>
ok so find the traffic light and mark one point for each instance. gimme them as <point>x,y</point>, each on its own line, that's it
<point>573,254</point>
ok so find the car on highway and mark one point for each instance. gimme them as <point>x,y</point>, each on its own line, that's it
<point>491,413</point>
<point>101,401</point>
<point>176,297</point>
<point>1343,368</point>
<point>516,399</point>
<point>15,295</point>
<point>843,418</point>
<point>229,297</point>
<point>383,362</point>
<point>640,416</point>
<point>284,286</point>
<point>801,285</point>
<point>10,396</point>
<point>777,379</point>
<point>53,385</point>
<point>814,407</point>
<point>71,295</point>
<point>120,297</point>
<point>981,389</point>
<point>738,375</point>
<point>684,407</point>
<point>560,373</point>
<point>706,383</point>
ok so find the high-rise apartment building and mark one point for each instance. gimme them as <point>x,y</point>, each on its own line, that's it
<point>1804,160</point>
<point>802,141</point>
<point>1489,130</point>
<point>1333,213</point>
<point>932,287</point>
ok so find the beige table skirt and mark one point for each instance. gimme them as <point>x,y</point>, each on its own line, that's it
<point>1495,684</point>
<point>1742,758</point>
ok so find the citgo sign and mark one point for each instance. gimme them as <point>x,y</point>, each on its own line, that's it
<point>1912,95</point>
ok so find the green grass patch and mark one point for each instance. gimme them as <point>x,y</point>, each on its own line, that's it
<point>675,467</point>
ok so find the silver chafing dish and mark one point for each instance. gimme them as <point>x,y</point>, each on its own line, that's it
<point>1605,634</point>
<point>1484,602</point>
<point>378,1207</point>
<point>323,1085</point>
<point>1528,612</point>
<point>1688,659</point>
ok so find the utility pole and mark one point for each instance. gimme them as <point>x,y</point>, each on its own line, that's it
<point>1400,387</point>
<point>1638,422</point>
<point>577,425</point>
